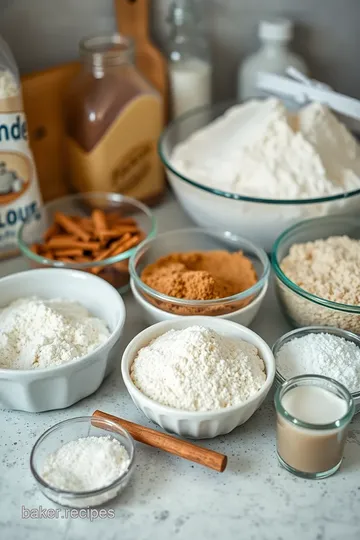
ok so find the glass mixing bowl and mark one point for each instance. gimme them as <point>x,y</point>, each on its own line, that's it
<point>301,332</point>
<point>301,307</point>
<point>186,240</point>
<point>260,220</point>
<point>71,430</point>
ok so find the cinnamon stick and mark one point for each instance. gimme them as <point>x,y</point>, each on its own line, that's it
<point>116,249</point>
<point>168,443</point>
<point>91,239</point>
<point>99,221</point>
<point>35,248</point>
<point>71,227</point>
<point>53,230</point>
<point>68,242</point>
<point>71,252</point>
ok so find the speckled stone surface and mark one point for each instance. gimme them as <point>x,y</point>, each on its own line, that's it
<point>254,499</point>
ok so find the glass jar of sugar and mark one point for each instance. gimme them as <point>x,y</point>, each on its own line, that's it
<point>313,414</point>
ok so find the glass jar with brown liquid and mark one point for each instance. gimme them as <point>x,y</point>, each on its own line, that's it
<point>113,120</point>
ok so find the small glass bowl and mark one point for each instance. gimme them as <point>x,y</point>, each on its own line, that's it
<point>303,308</point>
<point>301,332</point>
<point>71,430</point>
<point>82,204</point>
<point>187,240</point>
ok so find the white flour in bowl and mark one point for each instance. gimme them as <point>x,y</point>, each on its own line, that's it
<point>259,149</point>
<point>36,333</point>
<point>86,464</point>
<point>197,369</point>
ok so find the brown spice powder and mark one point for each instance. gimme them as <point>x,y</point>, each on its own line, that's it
<point>207,275</point>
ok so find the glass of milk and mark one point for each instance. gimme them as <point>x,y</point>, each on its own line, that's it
<point>313,414</point>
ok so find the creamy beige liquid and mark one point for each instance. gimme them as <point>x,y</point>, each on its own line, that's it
<point>311,450</point>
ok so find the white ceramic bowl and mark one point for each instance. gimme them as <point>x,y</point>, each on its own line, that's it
<point>192,424</point>
<point>36,390</point>
<point>243,316</point>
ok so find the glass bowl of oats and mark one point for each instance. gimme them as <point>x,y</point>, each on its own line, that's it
<point>317,268</point>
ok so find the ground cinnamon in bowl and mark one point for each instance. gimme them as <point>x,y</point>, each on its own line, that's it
<point>207,275</point>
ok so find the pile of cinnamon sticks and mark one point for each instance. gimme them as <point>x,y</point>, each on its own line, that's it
<point>75,239</point>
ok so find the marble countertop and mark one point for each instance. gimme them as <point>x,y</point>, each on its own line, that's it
<point>254,499</point>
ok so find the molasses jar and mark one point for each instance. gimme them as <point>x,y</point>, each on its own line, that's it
<point>113,120</point>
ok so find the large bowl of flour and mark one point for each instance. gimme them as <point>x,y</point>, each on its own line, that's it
<point>257,168</point>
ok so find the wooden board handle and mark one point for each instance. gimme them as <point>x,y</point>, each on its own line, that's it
<point>168,443</point>
<point>132,18</point>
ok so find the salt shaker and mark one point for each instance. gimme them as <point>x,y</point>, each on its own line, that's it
<point>273,56</point>
<point>190,68</point>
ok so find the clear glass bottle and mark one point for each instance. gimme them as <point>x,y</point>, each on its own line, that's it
<point>274,56</point>
<point>313,415</point>
<point>113,118</point>
<point>190,70</point>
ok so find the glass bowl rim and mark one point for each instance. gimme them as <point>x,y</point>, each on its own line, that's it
<point>227,194</point>
<point>112,197</point>
<point>318,329</point>
<point>82,494</point>
<point>337,424</point>
<point>308,223</point>
<point>259,252</point>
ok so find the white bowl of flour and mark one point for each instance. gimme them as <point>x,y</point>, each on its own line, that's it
<point>59,337</point>
<point>255,168</point>
<point>205,375</point>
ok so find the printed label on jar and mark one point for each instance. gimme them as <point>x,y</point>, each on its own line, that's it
<point>19,192</point>
<point>134,167</point>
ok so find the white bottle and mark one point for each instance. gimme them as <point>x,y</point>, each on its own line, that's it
<point>190,70</point>
<point>274,56</point>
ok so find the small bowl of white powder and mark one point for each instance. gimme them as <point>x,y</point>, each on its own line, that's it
<point>199,377</point>
<point>60,336</point>
<point>320,350</point>
<point>83,462</point>
<point>256,168</point>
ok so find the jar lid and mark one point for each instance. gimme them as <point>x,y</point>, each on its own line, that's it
<point>275,29</point>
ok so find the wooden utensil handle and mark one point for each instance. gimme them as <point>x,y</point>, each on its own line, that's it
<point>168,443</point>
<point>132,17</point>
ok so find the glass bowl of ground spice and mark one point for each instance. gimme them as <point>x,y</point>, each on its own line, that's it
<point>94,232</point>
<point>317,264</point>
<point>199,272</point>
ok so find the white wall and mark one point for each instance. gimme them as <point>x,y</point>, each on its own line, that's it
<point>45,32</point>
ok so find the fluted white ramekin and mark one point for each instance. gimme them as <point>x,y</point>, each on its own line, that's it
<point>36,390</point>
<point>193,424</point>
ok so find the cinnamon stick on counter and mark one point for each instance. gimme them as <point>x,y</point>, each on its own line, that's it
<point>168,443</point>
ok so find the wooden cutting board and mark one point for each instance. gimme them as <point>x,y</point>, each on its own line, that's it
<point>43,93</point>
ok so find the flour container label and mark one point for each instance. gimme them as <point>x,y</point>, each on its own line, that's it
<point>20,197</point>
